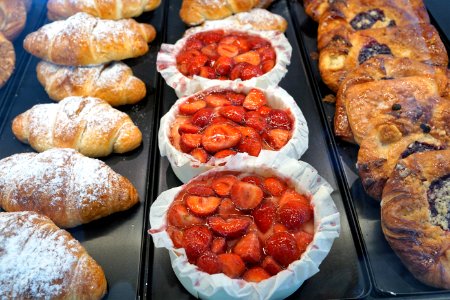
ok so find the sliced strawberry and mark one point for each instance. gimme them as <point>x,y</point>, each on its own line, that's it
<point>202,206</point>
<point>283,248</point>
<point>183,68</point>
<point>278,118</point>
<point>188,128</point>
<point>303,240</point>
<point>249,71</point>
<point>196,241</point>
<point>291,195</point>
<point>232,265</point>
<point>202,117</point>
<point>194,43</point>
<point>254,180</point>
<point>209,262</point>
<point>200,154</point>
<point>190,141</point>
<point>217,100</point>
<point>279,228</point>
<point>200,190</point>
<point>213,36</point>
<point>274,186</point>
<point>223,65</point>
<point>228,40</point>
<point>294,213</point>
<point>179,216</point>
<point>207,72</point>
<point>254,100</point>
<point>219,245</point>
<point>237,71</point>
<point>242,44</point>
<point>190,107</point>
<point>267,53</point>
<point>176,235</point>
<point>248,132</point>
<point>222,185</point>
<point>257,42</point>
<point>235,98</point>
<point>227,208</point>
<point>254,120</point>
<point>196,63</point>
<point>249,248</point>
<point>250,57</point>
<point>264,111</point>
<point>224,153</point>
<point>233,227</point>
<point>255,274</point>
<point>217,137</point>
<point>267,65</point>
<point>277,138</point>
<point>246,195</point>
<point>187,56</point>
<point>227,50</point>
<point>211,51</point>
<point>217,119</point>
<point>252,146</point>
<point>271,266</point>
<point>234,113</point>
<point>264,215</point>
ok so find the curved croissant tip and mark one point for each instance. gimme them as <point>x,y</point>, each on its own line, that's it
<point>130,137</point>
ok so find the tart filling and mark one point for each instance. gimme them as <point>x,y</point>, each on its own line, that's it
<point>439,199</point>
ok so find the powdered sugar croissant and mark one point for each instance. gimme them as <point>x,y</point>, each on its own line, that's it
<point>114,10</point>
<point>62,184</point>
<point>113,82</point>
<point>89,125</point>
<point>40,261</point>
<point>85,40</point>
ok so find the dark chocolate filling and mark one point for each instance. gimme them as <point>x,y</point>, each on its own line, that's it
<point>419,147</point>
<point>365,20</point>
<point>371,49</point>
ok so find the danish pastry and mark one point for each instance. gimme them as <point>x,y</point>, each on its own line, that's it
<point>415,215</point>
<point>13,16</point>
<point>8,59</point>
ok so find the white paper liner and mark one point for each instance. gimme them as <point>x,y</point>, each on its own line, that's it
<point>186,167</point>
<point>166,60</point>
<point>306,180</point>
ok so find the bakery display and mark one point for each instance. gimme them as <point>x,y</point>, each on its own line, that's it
<point>40,261</point>
<point>85,40</point>
<point>13,16</point>
<point>112,82</point>
<point>114,10</point>
<point>89,125</point>
<point>64,185</point>
<point>8,58</point>
<point>252,219</point>
<point>415,215</point>
<point>203,130</point>
<point>194,12</point>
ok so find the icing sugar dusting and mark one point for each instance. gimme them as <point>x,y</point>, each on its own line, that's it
<point>35,261</point>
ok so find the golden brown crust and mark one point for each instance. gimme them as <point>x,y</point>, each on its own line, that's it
<point>113,10</point>
<point>419,42</point>
<point>89,125</point>
<point>13,16</point>
<point>8,59</point>
<point>85,40</point>
<point>406,219</point>
<point>113,83</point>
<point>41,261</point>
<point>64,185</point>
<point>260,19</point>
<point>194,12</point>
<point>316,8</point>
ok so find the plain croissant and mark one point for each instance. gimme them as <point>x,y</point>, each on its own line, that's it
<point>85,40</point>
<point>113,83</point>
<point>89,125</point>
<point>113,9</point>
<point>69,188</point>
<point>194,12</point>
<point>7,58</point>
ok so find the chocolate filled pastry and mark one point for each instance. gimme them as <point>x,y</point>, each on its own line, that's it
<point>344,17</point>
<point>40,261</point>
<point>64,185</point>
<point>376,160</point>
<point>415,215</point>
<point>383,69</point>
<point>8,59</point>
<point>13,16</point>
<point>420,42</point>
<point>114,10</point>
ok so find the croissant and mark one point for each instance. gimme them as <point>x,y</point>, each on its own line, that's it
<point>40,261</point>
<point>85,40</point>
<point>7,58</point>
<point>194,12</point>
<point>114,10</point>
<point>113,82</point>
<point>89,125</point>
<point>64,185</point>
<point>13,16</point>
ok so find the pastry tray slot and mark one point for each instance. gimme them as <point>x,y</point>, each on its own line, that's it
<point>388,275</point>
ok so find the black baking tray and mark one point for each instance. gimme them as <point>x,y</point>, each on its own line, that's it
<point>343,274</point>
<point>117,241</point>
<point>389,277</point>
